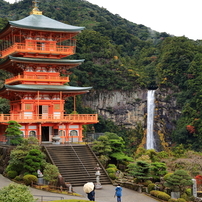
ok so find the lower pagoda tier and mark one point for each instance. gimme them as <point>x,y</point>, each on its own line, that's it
<point>44,131</point>
<point>39,109</point>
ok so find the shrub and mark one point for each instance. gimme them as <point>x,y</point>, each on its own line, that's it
<point>165,177</point>
<point>18,178</point>
<point>181,200</point>
<point>188,192</point>
<point>33,161</point>
<point>111,166</point>
<point>172,200</point>
<point>160,195</point>
<point>112,176</point>
<point>12,174</point>
<point>111,170</point>
<point>147,182</point>
<point>185,196</point>
<point>51,173</point>
<point>15,191</point>
<point>151,187</point>
<point>29,179</point>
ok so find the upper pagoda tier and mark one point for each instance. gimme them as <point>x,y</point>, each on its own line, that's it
<point>38,70</point>
<point>38,36</point>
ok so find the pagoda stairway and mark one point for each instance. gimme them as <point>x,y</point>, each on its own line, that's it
<point>76,163</point>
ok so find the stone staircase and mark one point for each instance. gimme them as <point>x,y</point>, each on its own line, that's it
<point>76,163</point>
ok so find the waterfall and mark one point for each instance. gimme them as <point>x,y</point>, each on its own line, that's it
<point>150,143</point>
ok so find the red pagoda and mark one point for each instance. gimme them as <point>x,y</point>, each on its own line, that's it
<point>33,50</point>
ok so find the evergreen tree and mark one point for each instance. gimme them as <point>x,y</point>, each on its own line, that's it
<point>179,181</point>
<point>13,133</point>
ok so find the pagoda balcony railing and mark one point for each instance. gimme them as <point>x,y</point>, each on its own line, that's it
<point>38,48</point>
<point>50,118</point>
<point>45,78</point>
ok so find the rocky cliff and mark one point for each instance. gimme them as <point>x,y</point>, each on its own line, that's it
<point>129,108</point>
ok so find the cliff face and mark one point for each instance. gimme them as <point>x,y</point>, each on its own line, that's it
<point>124,108</point>
<point>129,108</point>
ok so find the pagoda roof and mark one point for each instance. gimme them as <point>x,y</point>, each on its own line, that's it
<point>46,88</point>
<point>41,22</point>
<point>44,60</point>
<point>7,64</point>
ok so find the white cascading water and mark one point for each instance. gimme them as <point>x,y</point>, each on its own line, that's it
<point>150,143</point>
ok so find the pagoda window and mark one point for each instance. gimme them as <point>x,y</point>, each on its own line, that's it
<point>73,133</point>
<point>32,133</point>
<point>56,106</point>
<point>55,132</point>
<point>28,106</point>
<point>40,46</point>
<point>61,133</point>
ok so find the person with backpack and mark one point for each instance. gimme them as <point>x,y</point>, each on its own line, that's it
<point>118,193</point>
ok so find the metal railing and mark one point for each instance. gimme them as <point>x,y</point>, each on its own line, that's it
<point>47,198</point>
<point>79,159</point>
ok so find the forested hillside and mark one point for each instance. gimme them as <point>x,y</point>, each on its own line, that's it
<point>121,55</point>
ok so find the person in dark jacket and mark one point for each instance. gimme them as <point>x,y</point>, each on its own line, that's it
<point>91,195</point>
<point>118,193</point>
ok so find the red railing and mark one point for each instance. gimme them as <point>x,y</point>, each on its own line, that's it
<point>37,78</point>
<point>77,118</point>
<point>38,48</point>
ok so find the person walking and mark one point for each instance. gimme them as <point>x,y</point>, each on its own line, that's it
<point>89,189</point>
<point>118,193</point>
<point>91,195</point>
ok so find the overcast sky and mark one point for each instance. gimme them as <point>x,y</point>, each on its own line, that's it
<point>176,17</point>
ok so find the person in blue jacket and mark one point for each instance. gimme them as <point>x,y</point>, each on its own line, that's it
<point>118,193</point>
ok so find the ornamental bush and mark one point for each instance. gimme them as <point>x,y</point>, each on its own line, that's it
<point>16,193</point>
<point>151,187</point>
<point>111,170</point>
<point>33,161</point>
<point>112,176</point>
<point>181,200</point>
<point>160,195</point>
<point>12,174</point>
<point>172,200</point>
<point>29,179</point>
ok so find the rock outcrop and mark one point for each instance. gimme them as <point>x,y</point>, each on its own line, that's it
<point>127,108</point>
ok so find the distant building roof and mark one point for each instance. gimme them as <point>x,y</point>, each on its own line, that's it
<point>41,22</point>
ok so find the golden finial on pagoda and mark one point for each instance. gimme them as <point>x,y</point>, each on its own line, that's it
<point>35,10</point>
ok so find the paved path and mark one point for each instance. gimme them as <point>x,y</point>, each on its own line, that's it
<point>104,195</point>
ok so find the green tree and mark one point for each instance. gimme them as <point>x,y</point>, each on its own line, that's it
<point>51,173</point>
<point>179,181</point>
<point>113,146</point>
<point>33,161</point>
<point>140,170</point>
<point>158,170</point>
<point>19,153</point>
<point>16,193</point>
<point>13,133</point>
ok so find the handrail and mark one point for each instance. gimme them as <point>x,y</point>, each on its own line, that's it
<point>79,159</point>
<point>42,196</point>
<point>37,77</point>
<point>45,48</point>
<point>99,162</point>
<point>24,118</point>
<point>49,156</point>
